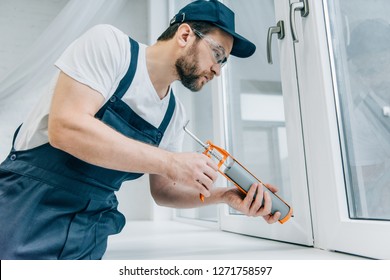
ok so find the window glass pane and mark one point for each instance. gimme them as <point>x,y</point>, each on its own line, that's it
<point>256,122</point>
<point>360,35</point>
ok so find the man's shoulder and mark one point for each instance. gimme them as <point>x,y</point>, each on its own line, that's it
<point>106,30</point>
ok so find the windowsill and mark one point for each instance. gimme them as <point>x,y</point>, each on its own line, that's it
<point>147,240</point>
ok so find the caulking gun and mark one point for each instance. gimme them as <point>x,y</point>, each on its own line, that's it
<point>236,173</point>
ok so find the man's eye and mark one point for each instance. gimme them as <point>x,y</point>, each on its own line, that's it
<point>218,55</point>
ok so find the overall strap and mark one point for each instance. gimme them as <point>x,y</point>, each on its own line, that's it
<point>168,115</point>
<point>128,78</point>
<point>15,135</point>
<point>126,81</point>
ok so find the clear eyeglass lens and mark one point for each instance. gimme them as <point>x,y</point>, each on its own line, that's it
<point>218,51</point>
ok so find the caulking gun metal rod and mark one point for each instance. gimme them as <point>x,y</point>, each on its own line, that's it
<point>204,145</point>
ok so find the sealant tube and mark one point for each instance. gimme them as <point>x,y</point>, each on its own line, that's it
<point>244,180</point>
<point>240,176</point>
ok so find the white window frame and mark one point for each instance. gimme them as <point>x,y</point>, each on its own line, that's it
<point>298,229</point>
<point>333,229</point>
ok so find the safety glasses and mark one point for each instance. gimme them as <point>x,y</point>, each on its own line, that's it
<point>218,51</point>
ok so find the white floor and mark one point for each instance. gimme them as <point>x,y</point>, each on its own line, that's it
<point>170,240</point>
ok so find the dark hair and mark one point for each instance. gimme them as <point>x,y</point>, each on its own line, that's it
<point>202,26</point>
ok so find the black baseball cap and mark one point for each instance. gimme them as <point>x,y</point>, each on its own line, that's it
<point>221,16</point>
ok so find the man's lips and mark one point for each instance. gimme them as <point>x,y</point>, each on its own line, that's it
<point>208,78</point>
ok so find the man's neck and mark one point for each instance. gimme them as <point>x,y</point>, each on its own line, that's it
<point>160,63</point>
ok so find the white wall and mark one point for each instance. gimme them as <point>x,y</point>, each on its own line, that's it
<point>21,22</point>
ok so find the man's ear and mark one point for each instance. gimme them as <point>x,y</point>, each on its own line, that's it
<point>183,34</point>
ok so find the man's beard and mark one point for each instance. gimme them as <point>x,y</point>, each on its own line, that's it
<point>187,69</point>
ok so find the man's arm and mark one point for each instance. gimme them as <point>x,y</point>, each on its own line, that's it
<point>168,193</point>
<point>74,129</point>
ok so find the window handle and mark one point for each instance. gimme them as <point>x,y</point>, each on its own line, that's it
<point>278,29</point>
<point>302,6</point>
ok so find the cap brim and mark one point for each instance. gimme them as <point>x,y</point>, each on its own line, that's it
<point>241,47</point>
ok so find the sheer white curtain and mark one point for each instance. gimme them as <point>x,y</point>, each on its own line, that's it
<point>74,19</point>
<point>22,85</point>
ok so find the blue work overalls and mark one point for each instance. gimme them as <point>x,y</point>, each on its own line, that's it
<point>55,206</point>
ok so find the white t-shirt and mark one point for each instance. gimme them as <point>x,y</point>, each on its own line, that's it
<point>99,59</point>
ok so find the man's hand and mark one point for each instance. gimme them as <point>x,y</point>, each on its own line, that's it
<point>251,206</point>
<point>194,170</point>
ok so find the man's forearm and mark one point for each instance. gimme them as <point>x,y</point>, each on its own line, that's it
<point>169,194</point>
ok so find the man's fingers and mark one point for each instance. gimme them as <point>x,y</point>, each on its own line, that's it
<point>257,202</point>
<point>262,204</point>
<point>267,203</point>
<point>212,164</point>
<point>211,173</point>
<point>251,194</point>
<point>270,219</point>
<point>203,189</point>
<point>205,182</point>
<point>272,188</point>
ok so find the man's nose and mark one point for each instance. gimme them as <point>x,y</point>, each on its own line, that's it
<point>216,68</point>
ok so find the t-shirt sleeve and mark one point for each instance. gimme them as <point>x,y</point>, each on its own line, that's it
<point>98,59</point>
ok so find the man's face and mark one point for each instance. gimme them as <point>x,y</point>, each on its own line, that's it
<point>203,59</point>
